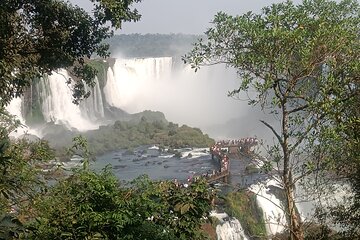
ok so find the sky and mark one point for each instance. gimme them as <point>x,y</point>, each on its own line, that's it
<point>184,16</point>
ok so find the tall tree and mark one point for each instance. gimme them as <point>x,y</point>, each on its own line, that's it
<point>40,36</point>
<point>303,63</point>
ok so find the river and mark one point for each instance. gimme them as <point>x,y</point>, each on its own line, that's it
<point>148,160</point>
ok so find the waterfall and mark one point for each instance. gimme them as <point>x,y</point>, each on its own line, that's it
<point>274,216</point>
<point>195,99</point>
<point>14,108</point>
<point>135,85</point>
<point>57,105</point>
<point>93,106</point>
<point>128,77</point>
<point>110,90</point>
<point>229,228</point>
<point>124,80</point>
<point>97,99</point>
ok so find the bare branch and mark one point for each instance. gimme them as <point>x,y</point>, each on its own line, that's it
<point>298,109</point>
<point>273,130</point>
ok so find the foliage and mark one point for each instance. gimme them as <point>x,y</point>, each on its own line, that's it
<point>347,213</point>
<point>130,135</point>
<point>183,209</point>
<point>342,145</point>
<point>101,68</point>
<point>242,205</point>
<point>80,148</point>
<point>37,37</point>
<point>20,167</point>
<point>302,62</point>
<point>145,128</point>
<point>20,177</point>
<point>83,206</point>
<point>88,205</point>
<point>10,227</point>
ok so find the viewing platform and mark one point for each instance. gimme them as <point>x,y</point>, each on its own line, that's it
<point>244,145</point>
<point>219,176</point>
<point>221,151</point>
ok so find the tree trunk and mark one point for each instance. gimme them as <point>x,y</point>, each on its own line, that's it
<point>295,224</point>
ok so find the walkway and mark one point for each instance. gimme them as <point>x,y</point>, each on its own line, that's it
<point>220,151</point>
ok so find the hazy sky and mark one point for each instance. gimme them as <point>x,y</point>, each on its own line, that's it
<point>183,16</point>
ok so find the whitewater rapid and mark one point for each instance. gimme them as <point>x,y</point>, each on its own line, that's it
<point>228,228</point>
<point>272,207</point>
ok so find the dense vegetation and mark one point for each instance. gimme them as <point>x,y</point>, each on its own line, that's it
<point>243,206</point>
<point>130,135</point>
<point>144,128</point>
<point>88,205</point>
<point>19,161</point>
<point>94,206</point>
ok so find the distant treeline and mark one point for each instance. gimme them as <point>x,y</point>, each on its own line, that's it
<point>151,45</point>
<point>132,130</point>
<point>131,134</point>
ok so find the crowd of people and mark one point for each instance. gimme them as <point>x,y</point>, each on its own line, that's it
<point>216,150</point>
<point>243,144</point>
<point>252,141</point>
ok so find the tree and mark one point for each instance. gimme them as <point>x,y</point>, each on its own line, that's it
<point>40,36</point>
<point>302,62</point>
<point>342,145</point>
<point>21,176</point>
<point>92,205</point>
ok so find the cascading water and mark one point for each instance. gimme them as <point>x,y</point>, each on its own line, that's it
<point>123,80</point>
<point>275,219</point>
<point>93,106</point>
<point>14,108</point>
<point>57,105</point>
<point>128,77</point>
<point>229,228</point>
<point>135,85</point>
